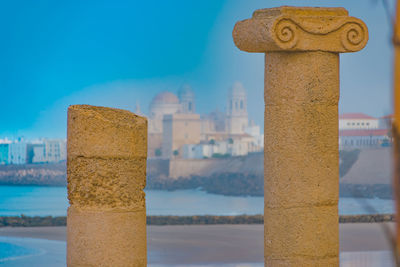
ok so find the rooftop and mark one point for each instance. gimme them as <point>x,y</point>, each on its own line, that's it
<point>165,98</point>
<point>355,116</point>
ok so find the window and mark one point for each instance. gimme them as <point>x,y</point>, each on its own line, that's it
<point>241,104</point>
<point>190,106</point>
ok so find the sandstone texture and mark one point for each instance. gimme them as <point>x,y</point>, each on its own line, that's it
<point>301,29</point>
<point>301,161</point>
<point>106,173</point>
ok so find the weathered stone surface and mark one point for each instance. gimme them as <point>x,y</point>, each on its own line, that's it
<point>300,78</point>
<point>107,183</point>
<point>301,29</point>
<point>304,231</point>
<point>302,262</point>
<point>301,133</point>
<point>105,133</point>
<point>106,172</point>
<point>301,161</point>
<point>106,238</point>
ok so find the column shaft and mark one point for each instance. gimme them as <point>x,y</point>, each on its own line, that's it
<point>301,159</point>
<point>106,169</point>
<point>301,46</point>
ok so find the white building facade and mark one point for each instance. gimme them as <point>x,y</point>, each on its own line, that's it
<point>17,152</point>
<point>38,151</point>
<point>351,121</point>
<point>236,111</point>
<point>358,130</point>
<point>49,151</point>
<point>364,138</point>
<point>226,148</point>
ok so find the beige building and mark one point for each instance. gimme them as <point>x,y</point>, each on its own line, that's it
<point>178,130</point>
<point>164,103</point>
<point>173,122</point>
<point>236,113</point>
<point>154,144</point>
<point>213,126</point>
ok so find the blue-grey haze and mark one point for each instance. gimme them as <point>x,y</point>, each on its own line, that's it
<point>117,53</point>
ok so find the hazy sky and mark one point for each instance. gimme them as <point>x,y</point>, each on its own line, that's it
<point>116,53</point>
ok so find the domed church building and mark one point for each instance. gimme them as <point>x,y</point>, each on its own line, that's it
<point>173,122</point>
<point>162,104</point>
<point>187,99</point>
<point>236,114</point>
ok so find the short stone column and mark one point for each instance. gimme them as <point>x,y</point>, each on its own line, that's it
<point>301,92</point>
<point>106,169</point>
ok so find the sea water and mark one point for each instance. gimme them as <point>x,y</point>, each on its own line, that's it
<point>52,201</point>
<point>21,252</point>
<point>44,201</point>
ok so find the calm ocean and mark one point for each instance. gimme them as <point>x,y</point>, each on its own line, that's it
<point>44,201</point>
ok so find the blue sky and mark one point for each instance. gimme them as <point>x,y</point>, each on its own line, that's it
<point>116,53</point>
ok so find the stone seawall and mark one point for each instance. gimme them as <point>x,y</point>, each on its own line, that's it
<point>26,221</point>
<point>158,167</point>
<point>251,164</point>
<point>363,174</point>
<point>34,174</point>
<point>369,166</point>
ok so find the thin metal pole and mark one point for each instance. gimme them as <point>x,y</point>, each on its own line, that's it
<point>396,122</point>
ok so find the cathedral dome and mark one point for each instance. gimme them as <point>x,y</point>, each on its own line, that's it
<point>237,89</point>
<point>165,98</point>
<point>164,103</point>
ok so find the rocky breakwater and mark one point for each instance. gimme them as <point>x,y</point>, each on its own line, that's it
<point>33,174</point>
<point>366,173</point>
<point>363,173</point>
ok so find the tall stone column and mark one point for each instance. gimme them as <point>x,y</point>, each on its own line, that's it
<point>106,169</point>
<point>301,165</point>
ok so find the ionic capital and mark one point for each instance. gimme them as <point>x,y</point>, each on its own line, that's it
<point>301,29</point>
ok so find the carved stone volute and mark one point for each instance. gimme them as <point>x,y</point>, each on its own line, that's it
<point>301,29</point>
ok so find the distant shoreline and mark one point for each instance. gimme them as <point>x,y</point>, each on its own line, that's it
<point>234,176</point>
<point>53,174</point>
<point>367,191</point>
<point>36,221</point>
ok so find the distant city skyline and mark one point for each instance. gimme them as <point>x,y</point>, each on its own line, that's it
<point>118,53</point>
